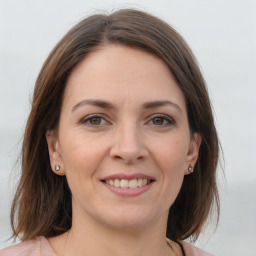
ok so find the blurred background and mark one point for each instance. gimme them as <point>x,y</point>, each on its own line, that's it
<point>222,35</point>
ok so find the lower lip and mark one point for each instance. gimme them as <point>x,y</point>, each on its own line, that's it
<point>129,192</point>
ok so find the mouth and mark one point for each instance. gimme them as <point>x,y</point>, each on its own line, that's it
<point>128,183</point>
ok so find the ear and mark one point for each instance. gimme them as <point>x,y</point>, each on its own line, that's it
<point>193,151</point>
<point>54,152</point>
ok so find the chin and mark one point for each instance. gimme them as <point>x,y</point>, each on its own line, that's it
<point>130,220</point>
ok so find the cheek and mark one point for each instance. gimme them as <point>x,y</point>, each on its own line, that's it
<point>80,156</point>
<point>171,160</point>
<point>81,162</point>
<point>172,154</point>
<point>172,164</point>
<point>77,147</point>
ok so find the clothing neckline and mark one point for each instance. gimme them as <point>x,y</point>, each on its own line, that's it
<point>45,241</point>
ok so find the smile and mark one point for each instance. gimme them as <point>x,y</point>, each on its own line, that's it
<point>125,183</point>
<point>128,185</point>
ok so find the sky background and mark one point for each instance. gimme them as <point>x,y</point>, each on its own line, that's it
<point>222,35</point>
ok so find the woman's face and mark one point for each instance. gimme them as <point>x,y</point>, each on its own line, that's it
<point>123,140</point>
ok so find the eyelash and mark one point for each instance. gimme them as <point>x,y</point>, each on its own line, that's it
<point>89,118</point>
<point>167,121</point>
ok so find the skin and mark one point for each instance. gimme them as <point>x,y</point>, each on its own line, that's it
<point>95,140</point>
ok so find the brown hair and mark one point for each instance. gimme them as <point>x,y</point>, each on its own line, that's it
<point>42,203</point>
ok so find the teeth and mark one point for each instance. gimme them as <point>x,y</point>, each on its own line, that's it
<point>134,183</point>
<point>116,183</point>
<point>124,184</point>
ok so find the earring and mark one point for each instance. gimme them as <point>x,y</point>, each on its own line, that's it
<point>190,168</point>
<point>57,168</point>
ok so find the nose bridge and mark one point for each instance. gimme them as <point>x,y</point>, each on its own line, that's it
<point>128,144</point>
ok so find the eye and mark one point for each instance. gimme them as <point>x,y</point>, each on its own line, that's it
<point>158,120</point>
<point>161,120</point>
<point>94,120</point>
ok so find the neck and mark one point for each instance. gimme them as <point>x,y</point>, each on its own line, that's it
<point>92,238</point>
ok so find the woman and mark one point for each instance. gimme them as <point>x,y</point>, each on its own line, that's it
<point>120,150</point>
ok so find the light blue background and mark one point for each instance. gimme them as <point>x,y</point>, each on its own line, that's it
<point>222,34</point>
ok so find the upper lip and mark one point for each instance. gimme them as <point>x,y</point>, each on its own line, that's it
<point>122,176</point>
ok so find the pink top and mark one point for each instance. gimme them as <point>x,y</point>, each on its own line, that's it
<point>41,247</point>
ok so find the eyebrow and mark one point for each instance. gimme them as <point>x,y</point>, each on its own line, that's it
<point>155,104</point>
<point>97,103</point>
<point>108,105</point>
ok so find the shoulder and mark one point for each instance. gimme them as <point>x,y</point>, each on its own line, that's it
<point>35,247</point>
<point>191,250</point>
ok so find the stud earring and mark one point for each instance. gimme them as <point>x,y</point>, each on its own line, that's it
<point>57,167</point>
<point>190,168</point>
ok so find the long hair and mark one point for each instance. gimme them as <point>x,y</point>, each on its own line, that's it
<point>42,203</point>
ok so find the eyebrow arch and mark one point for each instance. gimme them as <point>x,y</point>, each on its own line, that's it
<point>97,103</point>
<point>154,104</point>
<point>108,105</point>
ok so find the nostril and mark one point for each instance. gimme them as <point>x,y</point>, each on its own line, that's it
<point>128,150</point>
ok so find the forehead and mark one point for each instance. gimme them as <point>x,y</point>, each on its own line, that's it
<point>120,72</point>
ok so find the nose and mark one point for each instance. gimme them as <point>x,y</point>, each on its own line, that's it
<point>128,145</point>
